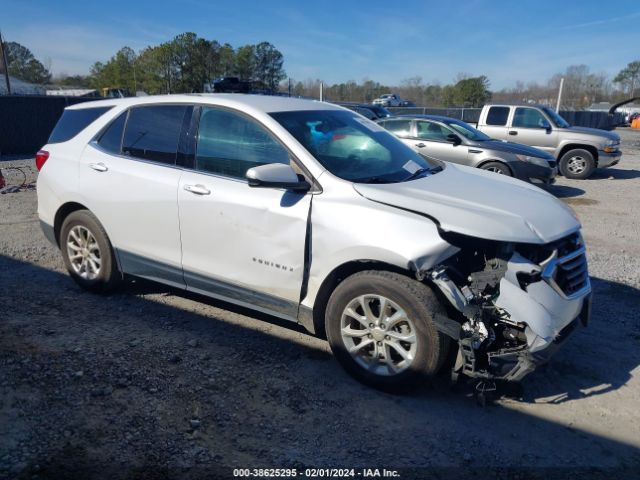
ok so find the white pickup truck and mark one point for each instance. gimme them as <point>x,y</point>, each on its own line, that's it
<point>388,100</point>
<point>579,150</point>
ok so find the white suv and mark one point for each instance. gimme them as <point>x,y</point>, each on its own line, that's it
<point>310,212</point>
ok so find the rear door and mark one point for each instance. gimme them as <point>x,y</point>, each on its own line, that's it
<point>241,243</point>
<point>497,122</point>
<point>129,177</point>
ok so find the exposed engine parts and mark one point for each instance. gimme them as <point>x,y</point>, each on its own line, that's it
<point>495,342</point>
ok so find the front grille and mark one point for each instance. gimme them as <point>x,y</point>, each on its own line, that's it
<point>571,275</point>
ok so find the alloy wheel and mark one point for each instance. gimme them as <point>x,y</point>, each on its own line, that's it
<point>84,252</point>
<point>378,335</point>
<point>577,165</point>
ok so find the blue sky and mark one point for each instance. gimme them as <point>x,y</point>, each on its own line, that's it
<point>348,40</point>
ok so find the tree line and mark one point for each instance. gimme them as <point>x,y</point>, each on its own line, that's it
<point>187,63</point>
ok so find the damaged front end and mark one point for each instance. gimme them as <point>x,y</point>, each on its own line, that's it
<point>512,304</point>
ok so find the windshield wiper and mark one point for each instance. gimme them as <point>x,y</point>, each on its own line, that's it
<point>371,180</point>
<point>419,172</point>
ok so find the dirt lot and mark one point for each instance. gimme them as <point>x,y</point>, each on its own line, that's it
<point>154,383</point>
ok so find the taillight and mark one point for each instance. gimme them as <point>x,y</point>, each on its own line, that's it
<point>41,157</point>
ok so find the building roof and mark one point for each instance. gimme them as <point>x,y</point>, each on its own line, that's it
<point>72,92</point>
<point>20,87</point>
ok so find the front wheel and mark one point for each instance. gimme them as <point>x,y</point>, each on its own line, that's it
<point>577,164</point>
<point>87,252</point>
<point>497,167</point>
<point>380,326</point>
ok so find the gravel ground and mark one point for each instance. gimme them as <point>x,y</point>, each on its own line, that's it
<point>154,383</point>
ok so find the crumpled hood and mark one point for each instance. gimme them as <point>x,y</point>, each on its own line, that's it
<point>515,148</point>
<point>480,204</point>
<point>593,131</point>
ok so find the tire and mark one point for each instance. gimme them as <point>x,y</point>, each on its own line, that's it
<point>497,167</point>
<point>577,164</point>
<point>96,270</point>
<point>425,349</point>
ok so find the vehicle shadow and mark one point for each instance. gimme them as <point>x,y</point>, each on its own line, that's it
<point>564,191</point>
<point>140,385</point>
<point>597,360</point>
<point>614,174</point>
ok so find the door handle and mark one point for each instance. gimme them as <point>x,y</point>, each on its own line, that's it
<point>99,167</point>
<point>420,145</point>
<point>512,132</point>
<point>197,189</point>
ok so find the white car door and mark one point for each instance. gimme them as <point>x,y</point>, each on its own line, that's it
<point>129,180</point>
<point>241,243</point>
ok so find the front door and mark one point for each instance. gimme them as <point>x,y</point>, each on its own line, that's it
<point>531,128</point>
<point>431,141</point>
<point>241,243</point>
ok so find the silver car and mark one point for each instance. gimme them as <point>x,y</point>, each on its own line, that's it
<point>312,213</point>
<point>455,141</point>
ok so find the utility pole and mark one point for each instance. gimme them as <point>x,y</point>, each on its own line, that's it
<point>322,91</point>
<point>560,95</point>
<point>5,65</point>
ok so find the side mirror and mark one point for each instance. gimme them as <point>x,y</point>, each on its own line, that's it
<point>276,175</point>
<point>546,125</point>
<point>455,139</point>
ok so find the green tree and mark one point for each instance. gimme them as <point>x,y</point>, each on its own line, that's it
<point>225,64</point>
<point>118,72</point>
<point>245,62</point>
<point>268,65</point>
<point>629,77</point>
<point>80,81</point>
<point>23,65</point>
<point>472,92</point>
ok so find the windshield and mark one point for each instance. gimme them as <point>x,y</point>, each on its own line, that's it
<point>555,118</point>
<point>381,112</point>
<point>354,148</point>
<point>467,131</point>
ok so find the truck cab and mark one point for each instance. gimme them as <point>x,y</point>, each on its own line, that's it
<point>578,150</point>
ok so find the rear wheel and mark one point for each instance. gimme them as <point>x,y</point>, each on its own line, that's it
<point>497,167</point>
<point>380,327</point>
<point>577,164</point>
<point>87,252</point>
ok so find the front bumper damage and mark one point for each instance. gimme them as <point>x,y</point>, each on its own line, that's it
<point>516,312</point>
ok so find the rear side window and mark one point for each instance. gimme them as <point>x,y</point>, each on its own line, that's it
<point>73,122</point>
<point>152,133</point>
<point>401,128</point>
<point>498,116</point>
<point>111,139</point>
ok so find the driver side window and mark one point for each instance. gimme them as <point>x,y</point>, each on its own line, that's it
<point>529,118</point>
<point>229,144</point>
<point>432,131</point>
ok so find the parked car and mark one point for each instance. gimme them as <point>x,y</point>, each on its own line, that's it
<point>231,85</point>
<point>372,112</point>
<point>312,213</point>
<point>455,141</point>
<point>388,100</point>
<point>578,150</point>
